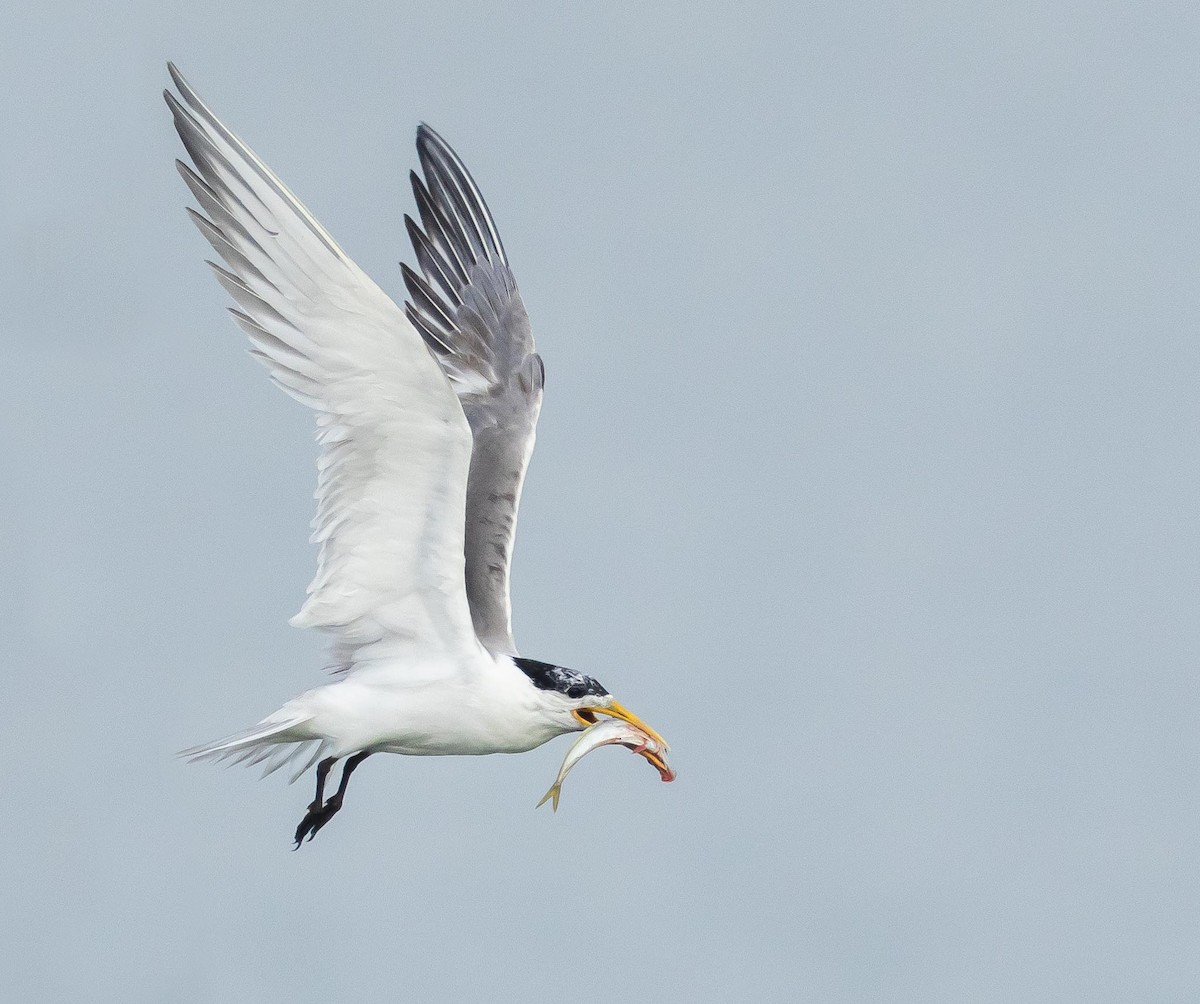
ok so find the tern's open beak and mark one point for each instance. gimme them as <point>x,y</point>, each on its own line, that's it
<point>588,717</point>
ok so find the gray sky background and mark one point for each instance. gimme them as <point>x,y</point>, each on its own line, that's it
<point>867,473</point>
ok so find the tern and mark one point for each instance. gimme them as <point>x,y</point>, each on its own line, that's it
<point>425,418</point>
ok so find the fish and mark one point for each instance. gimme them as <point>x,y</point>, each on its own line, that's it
<point>606,733</point>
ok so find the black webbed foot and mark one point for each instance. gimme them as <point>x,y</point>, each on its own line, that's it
<point>316,817</point>
<point>321,811</point>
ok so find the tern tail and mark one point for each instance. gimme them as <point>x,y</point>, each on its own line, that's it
<point>278,741</point>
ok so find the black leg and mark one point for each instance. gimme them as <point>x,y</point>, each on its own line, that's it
<point>323,769</point>
<point>318,815</point>
<point>347,770</point>
<point>314,808</point>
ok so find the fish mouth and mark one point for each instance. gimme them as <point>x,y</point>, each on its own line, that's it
<point>655,757</point>
<point>665,771</point>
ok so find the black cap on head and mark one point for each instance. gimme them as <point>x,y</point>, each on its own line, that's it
<point>547,676</point>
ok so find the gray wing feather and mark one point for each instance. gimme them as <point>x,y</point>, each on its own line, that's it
<point>465,303</point>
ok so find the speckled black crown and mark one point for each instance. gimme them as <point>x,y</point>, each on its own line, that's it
<point>546,676</point>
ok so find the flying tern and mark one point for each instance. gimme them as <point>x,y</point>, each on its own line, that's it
<point>425,418</point>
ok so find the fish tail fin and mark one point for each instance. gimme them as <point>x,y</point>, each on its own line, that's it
<point>551,796</point>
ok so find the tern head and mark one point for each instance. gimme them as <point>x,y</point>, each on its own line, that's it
<point>577,702</point>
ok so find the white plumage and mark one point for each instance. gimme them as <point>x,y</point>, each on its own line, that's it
<point>426,420</point>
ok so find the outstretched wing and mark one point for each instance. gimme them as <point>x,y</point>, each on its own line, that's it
<point>467,307</point>
<point>391,491</point>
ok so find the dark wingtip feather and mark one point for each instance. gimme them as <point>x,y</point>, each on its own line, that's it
<point>441,164</point>
<point>432,338</point>
<point>426,304</point>
<point>434,264</point>
<point>455,235</point>
<point>462,297</point>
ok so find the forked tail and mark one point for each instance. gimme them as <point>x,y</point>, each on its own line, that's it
<point>277,741</point>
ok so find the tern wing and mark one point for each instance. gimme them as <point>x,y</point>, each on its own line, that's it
<point>395,444</point>
<point>467,307</point>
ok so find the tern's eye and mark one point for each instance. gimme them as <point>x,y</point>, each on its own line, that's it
<point>576,690</point>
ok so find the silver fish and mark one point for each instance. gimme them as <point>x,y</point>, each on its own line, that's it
<point>606,733</point>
